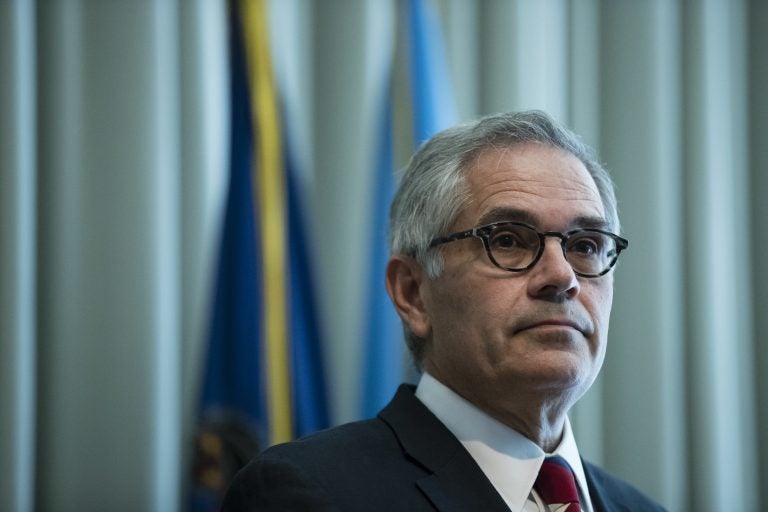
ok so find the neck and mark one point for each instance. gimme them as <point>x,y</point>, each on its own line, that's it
<point>539,416</point>
<point>543,424</point>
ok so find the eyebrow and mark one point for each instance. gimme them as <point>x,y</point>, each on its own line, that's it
<point>504,214</point>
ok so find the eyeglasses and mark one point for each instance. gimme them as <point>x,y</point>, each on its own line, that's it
<point>515,247</point>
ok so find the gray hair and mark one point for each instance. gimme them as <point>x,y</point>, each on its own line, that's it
<point>433,189</point>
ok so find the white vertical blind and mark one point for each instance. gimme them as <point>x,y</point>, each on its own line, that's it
<point>757,108</point>
<point>109,300</point>
<point>163,123</point>
<point>102,269</point>
<point>351,38</point>
<point>17,255</point>
<point>719,298</point>
<point>583,96</point>
<point>204,128</point>
<point>523,56</point>
<point>644,388</point>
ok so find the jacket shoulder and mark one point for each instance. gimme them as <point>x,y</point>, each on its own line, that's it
<point>329,470</point>
<point>609,492</point>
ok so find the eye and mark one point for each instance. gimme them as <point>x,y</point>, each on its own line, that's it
<point>585,246</point>
<point>588,245</point>
<point>512,238</point>
<point>505,240</point>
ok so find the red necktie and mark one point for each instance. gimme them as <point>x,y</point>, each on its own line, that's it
<point>556,485</point>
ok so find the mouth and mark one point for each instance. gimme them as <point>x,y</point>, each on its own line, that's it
<point>553,324</point>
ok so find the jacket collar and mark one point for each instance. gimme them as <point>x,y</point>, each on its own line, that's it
<point>454,481</point>
<point>602,501</point>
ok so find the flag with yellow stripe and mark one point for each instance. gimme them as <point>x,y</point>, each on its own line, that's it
<point>263,380</point>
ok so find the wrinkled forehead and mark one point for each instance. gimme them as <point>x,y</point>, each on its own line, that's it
<point>536,177</point>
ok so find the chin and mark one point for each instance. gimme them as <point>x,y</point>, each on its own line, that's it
<point>562,375</point>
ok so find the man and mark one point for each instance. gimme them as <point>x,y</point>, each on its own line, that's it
<point>503,242</point>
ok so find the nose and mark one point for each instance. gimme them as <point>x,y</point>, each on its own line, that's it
<point>553,278</point>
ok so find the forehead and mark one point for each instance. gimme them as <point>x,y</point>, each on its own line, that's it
<point>551,185</point>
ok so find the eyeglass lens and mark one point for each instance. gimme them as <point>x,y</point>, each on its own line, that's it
<point>516,247</point>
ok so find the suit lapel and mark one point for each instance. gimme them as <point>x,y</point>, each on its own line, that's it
<point>598,493</point>
<point>455,482</point>
<point>458,486</point>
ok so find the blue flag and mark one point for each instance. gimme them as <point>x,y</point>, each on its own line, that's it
<point>231,427</point>
<point>384,349</point>
<point>434,104</point>
<point>246,404</point>
<point>308,377</point>
<point>433,110</point>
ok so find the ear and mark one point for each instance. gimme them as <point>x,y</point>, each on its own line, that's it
<point>405,285</point>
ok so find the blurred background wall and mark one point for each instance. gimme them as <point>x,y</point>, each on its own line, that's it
<point>113,174</point>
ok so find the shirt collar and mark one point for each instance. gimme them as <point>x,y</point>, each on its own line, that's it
<point>508,459</point>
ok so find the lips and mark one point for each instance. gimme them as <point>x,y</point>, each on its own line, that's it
<point>582,327</point>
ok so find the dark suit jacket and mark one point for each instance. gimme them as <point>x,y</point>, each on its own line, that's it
<point>403,460</point>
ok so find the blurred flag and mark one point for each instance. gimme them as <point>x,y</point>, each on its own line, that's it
<point>310,402</point>
<point>263,380</point>
<point>384,350</point>
<point>434,109</point>
<point>433,101</point>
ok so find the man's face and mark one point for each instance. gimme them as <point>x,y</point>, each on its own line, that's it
<point>497,337</point>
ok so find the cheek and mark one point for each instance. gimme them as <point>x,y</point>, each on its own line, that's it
<point>463,313</point>
<point>606,304</point>
<point>453,314</point>
<point>600,309</point>
<point>601,300</point>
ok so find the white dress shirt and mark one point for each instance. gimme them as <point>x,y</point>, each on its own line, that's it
<point>509,460</point>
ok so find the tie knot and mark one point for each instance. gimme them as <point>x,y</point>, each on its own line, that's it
<point>556,484</point>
